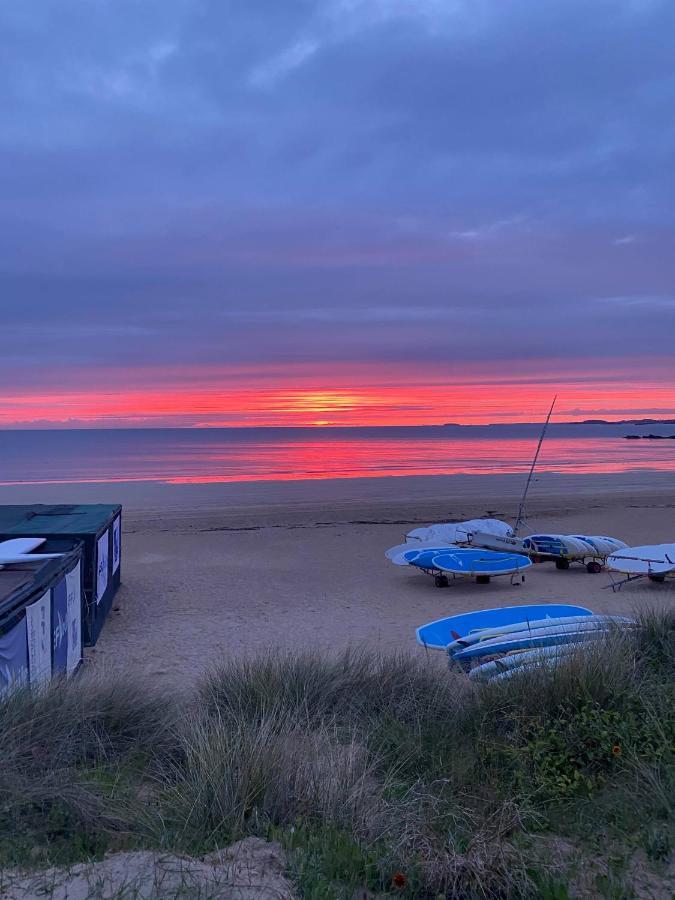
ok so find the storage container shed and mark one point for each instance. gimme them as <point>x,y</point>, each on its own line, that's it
<point>99,528</point>
<point>41,617</point>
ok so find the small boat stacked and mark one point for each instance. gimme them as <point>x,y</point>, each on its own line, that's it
<point>460,533</point>
<point>589,550</point>
<point>496,644</point>
<point>449,550</point>
<point>482,548</point>
<point>653,561</point>
<point>443,563</point>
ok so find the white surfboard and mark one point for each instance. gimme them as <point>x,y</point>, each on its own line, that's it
<point>555,634</point>
<point>478,637</point>
<point>487,541</point>
<point>17,558</point>
<point>18,550</point>
<point>20,545</point>
<point>650,559</point>
<point>488,670</point>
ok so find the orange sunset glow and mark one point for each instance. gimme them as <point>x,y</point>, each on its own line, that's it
<point>365,397</point>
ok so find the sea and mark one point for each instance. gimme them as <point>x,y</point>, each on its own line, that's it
<point>183,456</point>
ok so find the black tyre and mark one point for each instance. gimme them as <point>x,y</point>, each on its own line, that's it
<point>562,563</point>
<point>593,567</point>
<point>440,581</point>
<point>658,578</point>
<point>482,579</point>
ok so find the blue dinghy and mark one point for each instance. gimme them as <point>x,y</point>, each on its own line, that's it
<point>480,562</point>
<point>437,635</point>
<point>461,562</point>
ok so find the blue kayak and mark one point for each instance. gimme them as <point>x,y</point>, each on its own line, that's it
<point>437,635</point>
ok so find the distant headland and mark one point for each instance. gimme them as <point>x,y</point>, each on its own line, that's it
<point>625,422</point>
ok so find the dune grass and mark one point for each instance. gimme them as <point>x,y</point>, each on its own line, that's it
<point>385,773</point>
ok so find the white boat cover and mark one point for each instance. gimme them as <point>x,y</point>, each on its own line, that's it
<point>460,532</point>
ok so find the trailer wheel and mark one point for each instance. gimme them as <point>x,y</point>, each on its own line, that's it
<point>440,581</point>
<point>658,578</point>
<point>593,567</point>
<point>482,579</point>
<point>562,563</point>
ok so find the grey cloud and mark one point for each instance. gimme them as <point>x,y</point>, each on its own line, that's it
<point>232,182</point>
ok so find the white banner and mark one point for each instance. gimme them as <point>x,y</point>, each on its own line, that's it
<point>117,547</point>
<point>13,658</point>
<point>74,618</point>
<point>101,566</point>
<point>39,625</point>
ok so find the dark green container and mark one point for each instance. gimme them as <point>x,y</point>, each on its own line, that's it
<point>99,528</point>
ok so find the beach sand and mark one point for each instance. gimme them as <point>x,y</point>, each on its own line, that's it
<point>212,571</point>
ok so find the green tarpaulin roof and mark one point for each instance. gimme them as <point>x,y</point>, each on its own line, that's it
<point>75,519</point>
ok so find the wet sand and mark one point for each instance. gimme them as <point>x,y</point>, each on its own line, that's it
<point>215,571</point>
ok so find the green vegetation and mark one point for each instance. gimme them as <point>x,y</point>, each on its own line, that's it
<point>388,774</point>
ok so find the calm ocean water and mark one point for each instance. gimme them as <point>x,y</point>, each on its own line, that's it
<point>258,454</point>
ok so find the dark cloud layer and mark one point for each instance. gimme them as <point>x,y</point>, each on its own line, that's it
<point>208,182</point>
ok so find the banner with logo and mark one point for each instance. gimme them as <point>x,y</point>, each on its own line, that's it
<point>74,618</point>
<point>38,624</point>
<point>117,547</point>
<point>14,657</point>
<point>102,565</point>
<point>60,627</point>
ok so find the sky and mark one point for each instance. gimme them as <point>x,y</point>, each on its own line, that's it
<point>244,212</point>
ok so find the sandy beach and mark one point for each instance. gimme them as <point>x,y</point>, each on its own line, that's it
<point>216,570</point>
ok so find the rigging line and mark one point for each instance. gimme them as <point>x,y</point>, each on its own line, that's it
<point>521,509</point>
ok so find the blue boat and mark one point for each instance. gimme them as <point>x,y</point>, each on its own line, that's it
<point>462,562</point>
<point>437,635</point>
<point>480,562</point>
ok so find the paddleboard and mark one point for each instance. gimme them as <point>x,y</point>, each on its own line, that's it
<point>438,634</point>
<point>425,559</point>
<point>477,637</point>
<point>480,562</point>
<point>530,641</point>
<point>487,670</point>
<point>403,553</point>
<point>650,559</point>
<point>530,667</point>
<point>541,637</point>
<point>559,655</point>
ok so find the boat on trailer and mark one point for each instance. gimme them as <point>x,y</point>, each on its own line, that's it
<point>461,562</point>
<point>656,562</point>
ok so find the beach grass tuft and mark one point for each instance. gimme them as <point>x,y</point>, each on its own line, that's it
<point>388,775</point>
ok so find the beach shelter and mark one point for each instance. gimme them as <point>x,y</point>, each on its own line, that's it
<point>99,528</point>
<point>41,617</point>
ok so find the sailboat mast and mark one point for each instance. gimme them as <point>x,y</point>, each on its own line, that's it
<point>521,509</point>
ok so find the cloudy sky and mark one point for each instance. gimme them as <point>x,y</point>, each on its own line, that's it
<point>280,211</point>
